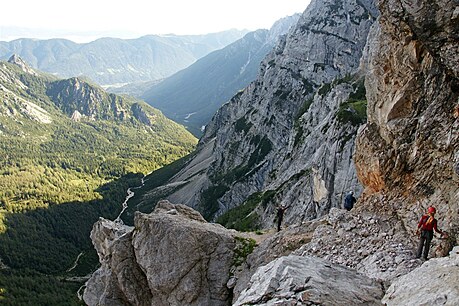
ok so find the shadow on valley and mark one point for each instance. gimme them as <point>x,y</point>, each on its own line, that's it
<point>144,200</point>
<point>40,247</point>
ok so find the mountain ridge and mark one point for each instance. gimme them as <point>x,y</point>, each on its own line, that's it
<point>112,60</point>
<point>44,111</point>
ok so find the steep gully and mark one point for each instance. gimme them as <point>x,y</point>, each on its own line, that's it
<point>129,195</point>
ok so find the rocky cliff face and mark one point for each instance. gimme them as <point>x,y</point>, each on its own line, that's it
<point>289,135</point>
<point>92,102</point>
<point>408,150</point>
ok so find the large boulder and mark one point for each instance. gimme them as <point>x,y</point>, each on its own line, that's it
<point>171,257</point>
<point>433,283</point>
<point>296,280</point>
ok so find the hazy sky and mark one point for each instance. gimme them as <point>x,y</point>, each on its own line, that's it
<point>86,20</point>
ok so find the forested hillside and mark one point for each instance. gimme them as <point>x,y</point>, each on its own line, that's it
<point>68,152</point>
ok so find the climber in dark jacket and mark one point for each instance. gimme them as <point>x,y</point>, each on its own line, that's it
<point>426,226</point>
<point>349,201</point>
<point>280,215</point>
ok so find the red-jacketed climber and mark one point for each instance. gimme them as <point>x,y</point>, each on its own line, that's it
<point>427,225</point>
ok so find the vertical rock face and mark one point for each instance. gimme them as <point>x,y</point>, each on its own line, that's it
<point>282,133</point>
<point>408,150</point>
<point>289,135</point>
<point>171,257</point>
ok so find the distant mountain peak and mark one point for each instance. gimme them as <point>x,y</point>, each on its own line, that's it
<point>17,60</point>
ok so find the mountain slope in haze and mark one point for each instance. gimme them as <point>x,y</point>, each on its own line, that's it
<point>193,95</point>
<point>109,61</point>
<point>68,152</point>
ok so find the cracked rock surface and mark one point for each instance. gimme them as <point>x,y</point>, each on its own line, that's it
<point>171,257</point>
<point>306,280</point>
<point>435,283</point>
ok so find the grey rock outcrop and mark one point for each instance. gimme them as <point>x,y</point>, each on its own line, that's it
<point>434,283</point>
<point>119,281</point>
<point>82,100</point>
<point>17,60</point>
<point>171,257</point>
<point>306,280</point>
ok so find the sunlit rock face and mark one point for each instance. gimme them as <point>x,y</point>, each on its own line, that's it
<point>409,149</point>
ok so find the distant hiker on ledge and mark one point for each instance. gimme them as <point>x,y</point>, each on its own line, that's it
<point>427,225</point>
<point>280,215</point>
<point>349,201</point>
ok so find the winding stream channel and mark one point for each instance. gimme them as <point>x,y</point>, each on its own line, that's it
<point>130,194</point>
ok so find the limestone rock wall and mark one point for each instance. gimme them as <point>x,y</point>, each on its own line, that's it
<point>283,134</point>
<point>408,150</point>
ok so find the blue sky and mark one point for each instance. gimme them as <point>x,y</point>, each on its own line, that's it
<point>86,20</point>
